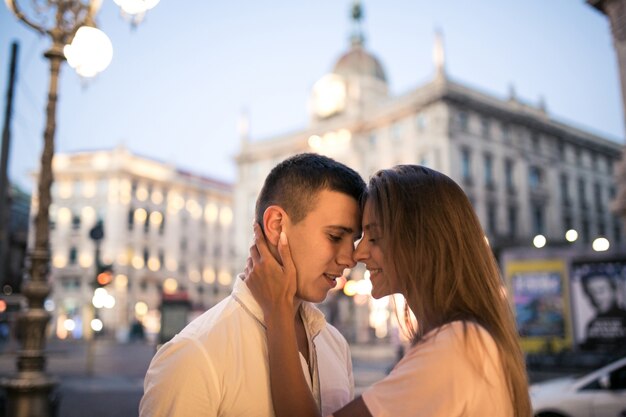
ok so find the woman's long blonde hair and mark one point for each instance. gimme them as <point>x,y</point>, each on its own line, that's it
<point>444,265</point>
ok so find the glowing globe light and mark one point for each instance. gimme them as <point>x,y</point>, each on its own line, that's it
<point>571,235</point>
<point>601,244</point>
<point>90,52</point>
<point>350,288</point>
<point>539,241</point>
<point>96,325</point>
<point>69,325</point>
<point>134,7</point>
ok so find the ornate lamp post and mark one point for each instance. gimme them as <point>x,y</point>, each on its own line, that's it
<point>63,21</point>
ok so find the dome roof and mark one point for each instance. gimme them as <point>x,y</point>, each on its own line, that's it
<point>357,61</point>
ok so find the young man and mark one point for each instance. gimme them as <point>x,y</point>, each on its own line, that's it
<point>218,365</point>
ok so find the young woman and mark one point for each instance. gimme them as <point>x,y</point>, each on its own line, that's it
<point>422,239</point>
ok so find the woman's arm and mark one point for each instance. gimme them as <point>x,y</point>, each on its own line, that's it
<point>274,288</point>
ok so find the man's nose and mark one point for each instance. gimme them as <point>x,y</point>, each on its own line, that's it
<point>345,256</point>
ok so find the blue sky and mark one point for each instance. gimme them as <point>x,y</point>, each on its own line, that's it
<point>179,81</point>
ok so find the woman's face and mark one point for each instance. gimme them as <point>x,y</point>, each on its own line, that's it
<point>369,252</point>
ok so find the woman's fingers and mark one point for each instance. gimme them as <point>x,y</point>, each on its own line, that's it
<point>260,242</point>
<point>285,255</point>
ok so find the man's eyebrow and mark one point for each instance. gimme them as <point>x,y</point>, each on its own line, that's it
<point>342,229</point>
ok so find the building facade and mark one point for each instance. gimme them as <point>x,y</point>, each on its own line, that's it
<point>526,173</point>
<point>166,231</point>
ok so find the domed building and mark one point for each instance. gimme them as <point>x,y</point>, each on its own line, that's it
<point>357,80</point>
<point>526,172</point>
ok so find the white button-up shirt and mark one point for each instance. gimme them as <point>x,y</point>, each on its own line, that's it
<point>218,366</point>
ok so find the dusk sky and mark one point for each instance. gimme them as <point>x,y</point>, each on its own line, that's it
<point>179,81</point>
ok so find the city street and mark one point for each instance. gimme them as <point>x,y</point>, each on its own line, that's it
<point>115,384</point>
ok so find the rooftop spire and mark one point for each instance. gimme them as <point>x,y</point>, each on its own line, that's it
<point>356,12</point>
<point>243,127</point>
<point>439,55</point>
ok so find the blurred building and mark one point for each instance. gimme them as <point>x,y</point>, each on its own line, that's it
<point>526,172</point>
<point>615,10</point>
<point>166,231</point>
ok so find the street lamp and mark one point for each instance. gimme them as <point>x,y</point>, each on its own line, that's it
<point>64,22</point>
<point>135,10</point>
<point>539,241</point>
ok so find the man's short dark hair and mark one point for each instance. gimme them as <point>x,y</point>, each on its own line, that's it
<point>295,183</point>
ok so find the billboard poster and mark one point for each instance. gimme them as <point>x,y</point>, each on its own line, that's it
<point>599,304</point>
<point>539,295</point>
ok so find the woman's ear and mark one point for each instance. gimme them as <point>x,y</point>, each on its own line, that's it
<point>274,219</point>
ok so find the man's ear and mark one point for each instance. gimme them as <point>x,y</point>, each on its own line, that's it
<point>274,219</point>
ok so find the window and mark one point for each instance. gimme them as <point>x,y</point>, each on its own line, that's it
<point>560,146</point>
<point>146,224</point>
<point>585,230</point>
<point>594,161</point>
<point>579,157</point>
<point>396,132</point>
<point>420,122</point>
<point>582,193</point>
<point>372,140</point>
<point>535,143</point>
<point>564,185</point>
<point>462,120</point>
<point>567,222</point>
<point>73,255</point>
<point>535,177</point>
<point>131,218</point>
<point>162,224</point>
<point>466,165</point>
<point>506,132</point>
<point>508,174</point>
<point>597,196</point>
<point>512,220</point>
<point>538,219</point>
<point>618,379</point>
<point>146,256</point>
<point>488,166</point>
<point>75,222</point>
<point>485,128</point>
<point>491,218</point>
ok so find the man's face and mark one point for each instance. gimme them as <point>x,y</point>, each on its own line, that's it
<point>602,293</point>
<point>322,243</point>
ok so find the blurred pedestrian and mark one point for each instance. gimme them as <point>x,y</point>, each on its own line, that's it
<point>218,364</point>
<point>137,331</point>
<point>423,240</point>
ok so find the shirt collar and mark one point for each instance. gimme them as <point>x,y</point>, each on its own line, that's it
<point>312,317</point>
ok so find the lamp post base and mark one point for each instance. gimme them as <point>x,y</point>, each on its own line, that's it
<point>31,396</point>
